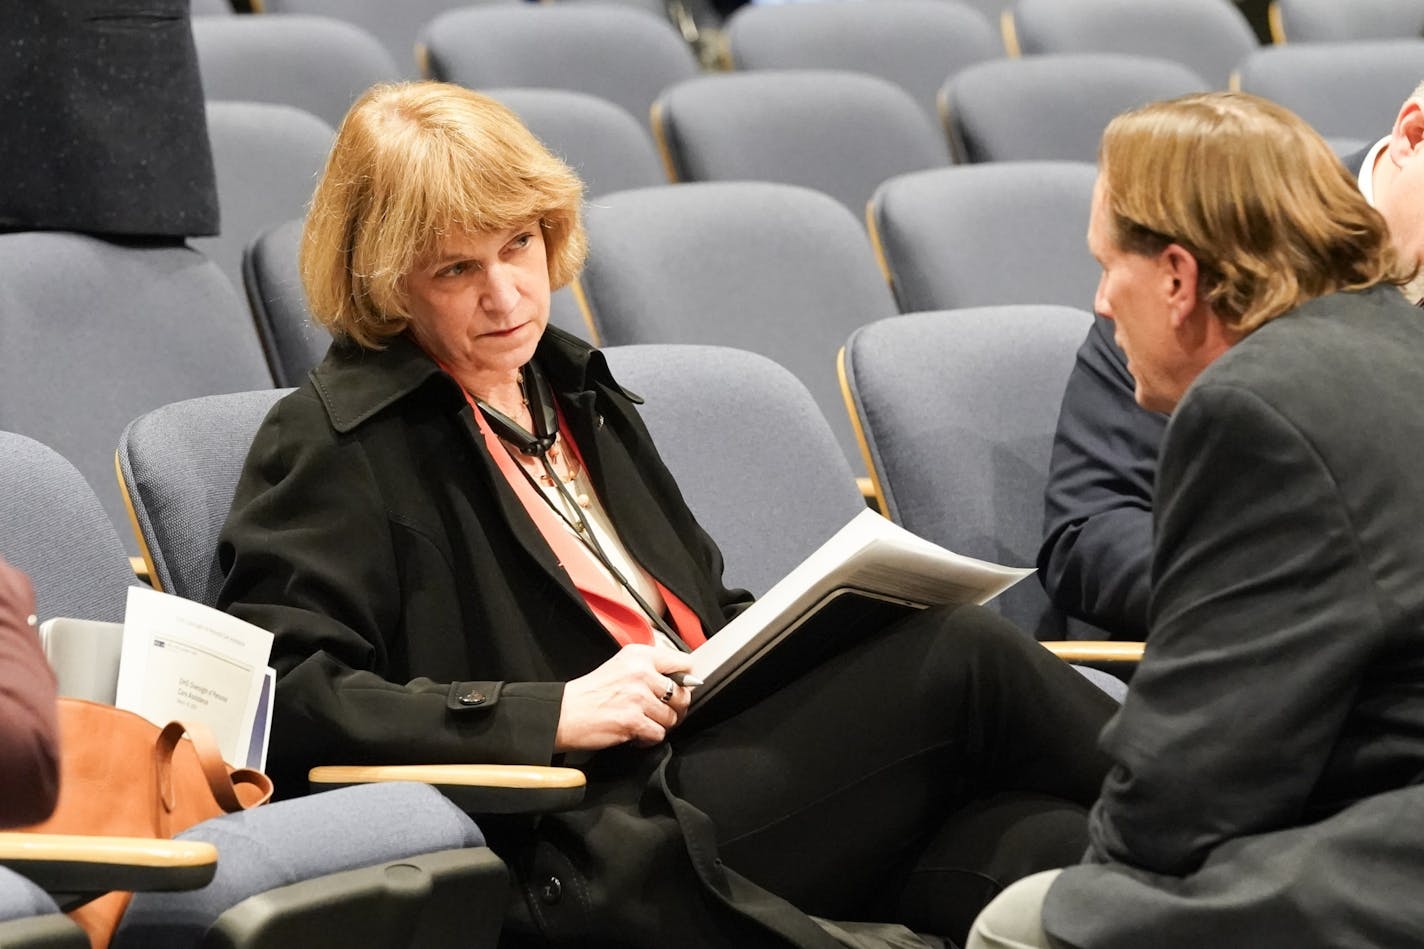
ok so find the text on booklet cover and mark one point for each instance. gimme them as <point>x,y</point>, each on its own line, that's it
<point>185,661</point>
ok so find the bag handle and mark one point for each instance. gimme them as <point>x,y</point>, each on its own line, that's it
<point>220,781</point>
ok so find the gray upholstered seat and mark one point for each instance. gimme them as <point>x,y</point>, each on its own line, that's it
<point>991,9</point>
<point>267,158</point>
<point>1051,107</point>
<point>979,235</point>
<point>30,919</point>
<point>291,340</point>
<point>1331,21</point>
<point>1344,90</point>
<point>841,133</point>
<point>958,408</point>
<point>616,52</point>
<point>179,465</point>
<point>1346,147</point>
<point>726,422</point>
<point>212,8</point>
<point>54,529</point>
<point>96,332</point>
<point>610,150</point>
<point>1208,36</point>
<point>659,8</point>
<point>754,455</point>
<point>318,64</point>
<point>912,43</point>
<point>392,865</point>
<point>395,25</point>
<point>775,269</point>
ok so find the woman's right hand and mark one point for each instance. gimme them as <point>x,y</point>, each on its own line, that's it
<point>622,701</point>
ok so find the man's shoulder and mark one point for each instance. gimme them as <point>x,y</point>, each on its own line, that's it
<point>1369,337</point>
<point>1327,369</point>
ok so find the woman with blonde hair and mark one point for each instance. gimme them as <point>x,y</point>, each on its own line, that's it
<point>469,550</point>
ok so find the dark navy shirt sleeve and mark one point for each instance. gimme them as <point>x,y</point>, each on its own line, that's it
<point>1097,546</point>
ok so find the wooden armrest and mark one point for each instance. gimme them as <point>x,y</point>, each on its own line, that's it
<point>1095,651</point>
<point>474,788</point>
<point>75,868</point>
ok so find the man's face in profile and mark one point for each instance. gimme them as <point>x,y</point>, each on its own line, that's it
<point>1134,292</point>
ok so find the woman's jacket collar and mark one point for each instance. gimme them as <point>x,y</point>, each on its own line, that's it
<point>355,384</point>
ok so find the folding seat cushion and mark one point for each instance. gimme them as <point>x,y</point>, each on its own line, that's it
<point>298,840</point>
<point>912,43</point>
<point>619,53</point>
<point>838,132</point>
<point>319,64</point>
<point>1208,36</point>
<point>1051,107</point>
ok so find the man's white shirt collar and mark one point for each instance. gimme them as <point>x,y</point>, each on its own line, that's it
<point>1367,170</point>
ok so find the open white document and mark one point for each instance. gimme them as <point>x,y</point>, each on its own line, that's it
<point>869,572</point>
<point>183,660</point>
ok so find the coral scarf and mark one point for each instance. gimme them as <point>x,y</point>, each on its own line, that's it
<point>606,597</point>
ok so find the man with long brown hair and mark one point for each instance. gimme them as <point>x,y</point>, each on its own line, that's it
<point>1269,748</point>
<point>1097,536</point>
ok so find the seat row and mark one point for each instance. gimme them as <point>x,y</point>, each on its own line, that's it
<point>83,357</point>
<point>1196,29</point>
<point>838,132</point>
<point>629,57</point>
<point>777,269</point>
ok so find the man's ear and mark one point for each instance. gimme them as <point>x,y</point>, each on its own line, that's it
<point>1180,270</point>
<point>1408,132</point>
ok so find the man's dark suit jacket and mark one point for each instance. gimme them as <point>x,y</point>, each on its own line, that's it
<point>1098,501</point>
<point>1268,758</point>
<point>1097,530</point>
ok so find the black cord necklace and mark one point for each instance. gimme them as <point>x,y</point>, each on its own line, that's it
<point>544,415</point>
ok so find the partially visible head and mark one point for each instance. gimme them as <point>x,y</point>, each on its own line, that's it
<point>1397,183</point>
<point>1213,214</point>
<point>414,164</point>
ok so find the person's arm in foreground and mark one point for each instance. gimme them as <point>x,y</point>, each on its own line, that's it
<point>29,738</point>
